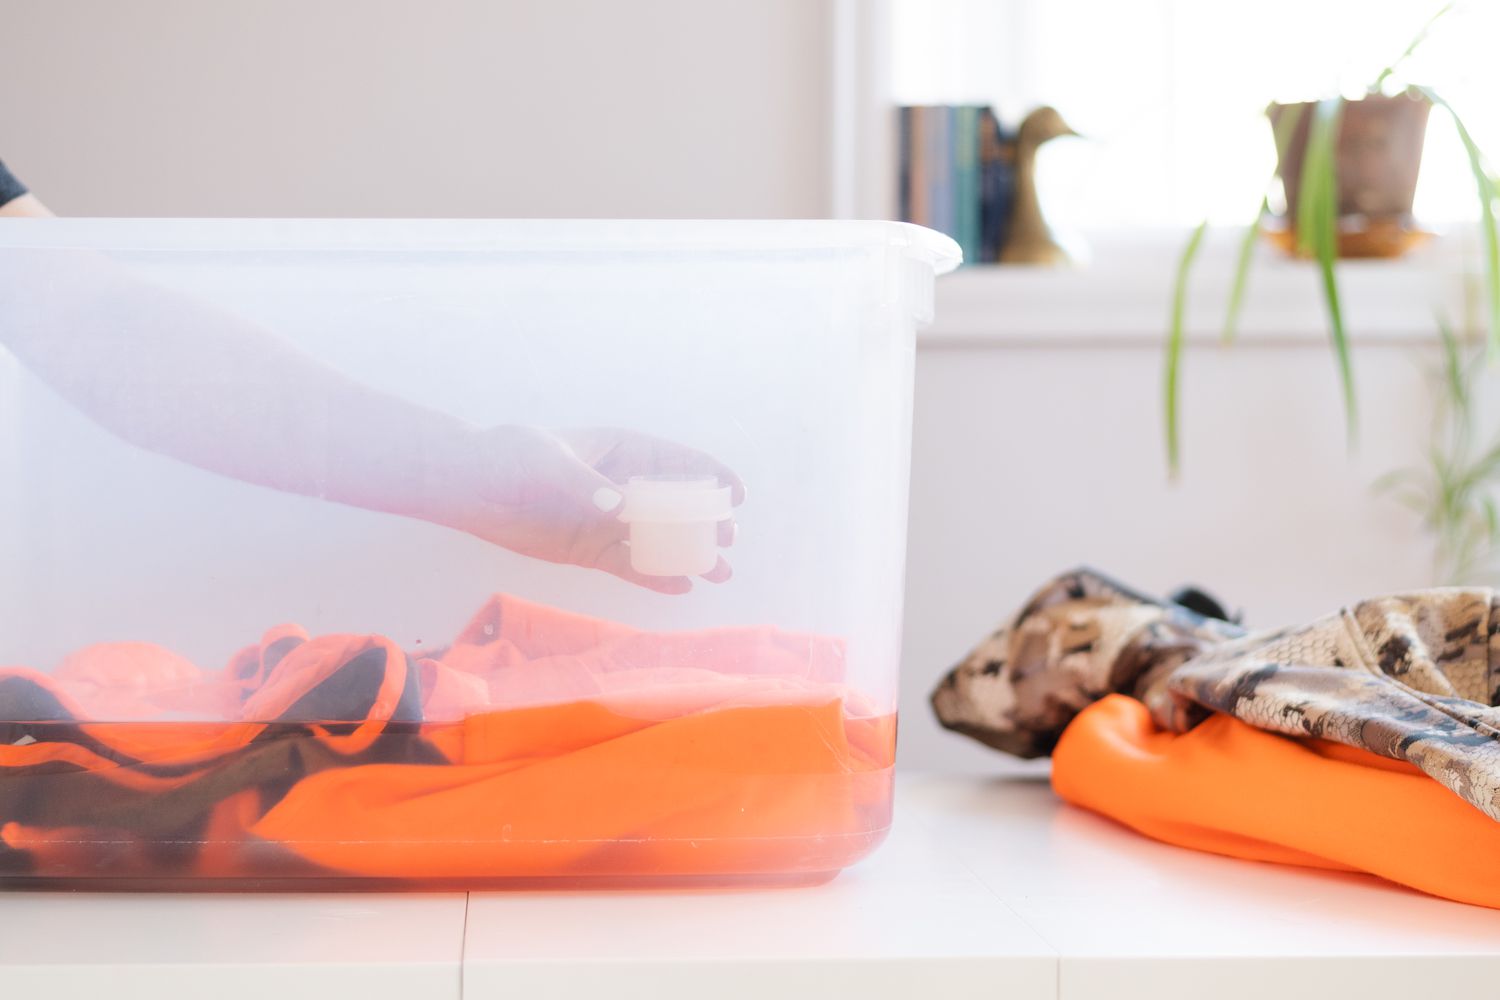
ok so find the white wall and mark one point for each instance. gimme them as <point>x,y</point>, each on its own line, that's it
<point>491,108</point>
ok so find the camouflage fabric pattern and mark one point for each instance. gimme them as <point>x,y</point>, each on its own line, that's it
<point>1414,677</point>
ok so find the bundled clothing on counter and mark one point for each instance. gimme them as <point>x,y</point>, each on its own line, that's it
<point>1297,744</point>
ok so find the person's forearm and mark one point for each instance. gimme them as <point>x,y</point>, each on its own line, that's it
<point>179,377</point>
<point>25,206</point>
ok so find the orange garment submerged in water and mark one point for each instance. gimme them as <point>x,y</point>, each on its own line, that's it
<point>540,743</point>
<point>1229,788</point>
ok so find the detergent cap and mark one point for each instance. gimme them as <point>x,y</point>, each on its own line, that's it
<point>674,523</point>
<point>675,499</point>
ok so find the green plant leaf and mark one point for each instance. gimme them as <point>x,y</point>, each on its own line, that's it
<point>1315,161</point>
<point>1397,480</point>
<point>1485,468</point>
<point>1281,130</point>
<point>1416,502</point>
<point>1487,225</point>
<point>1455,371</point>
<point>1317,233</point>
<point>1340,346</point>
<point>1417,40</point>
<point>1405,487</point>
<point>1454,490</point>
<point>1242,274</point>
<point>1176,336</point>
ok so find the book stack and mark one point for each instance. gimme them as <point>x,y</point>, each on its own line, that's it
<point>957,175</point>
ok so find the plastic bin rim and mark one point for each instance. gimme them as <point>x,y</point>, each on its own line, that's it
<point>917,243</point>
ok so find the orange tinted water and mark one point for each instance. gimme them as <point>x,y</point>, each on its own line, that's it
<point>572,792</point>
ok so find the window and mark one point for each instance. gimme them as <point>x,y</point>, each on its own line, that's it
<point>1171,93</point>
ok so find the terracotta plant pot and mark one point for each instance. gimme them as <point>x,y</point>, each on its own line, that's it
<point>1379,154</point>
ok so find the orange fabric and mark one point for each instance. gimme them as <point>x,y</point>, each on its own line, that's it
<point>677,789</point>
<point>540,743</point>
<point>1228,788</point>
<point>532,654</point>
<point>174,742</point>
<point>221,851</point>
<point>111,680</point>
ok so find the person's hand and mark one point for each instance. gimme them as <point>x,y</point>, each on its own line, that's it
<point>556,494</point>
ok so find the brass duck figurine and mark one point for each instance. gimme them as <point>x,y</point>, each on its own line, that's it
<point>1029,241</point>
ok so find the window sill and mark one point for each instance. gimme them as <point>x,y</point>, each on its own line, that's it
<point>1120,296</point>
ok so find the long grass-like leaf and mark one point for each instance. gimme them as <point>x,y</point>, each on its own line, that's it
<point>1417,40</point>
<point>1484,468</point>
<point>1456,377</point>
<point>1340,346</point>
<point>1415,501</point>
<point>1176,337</point>
<point>1453,490</point>
<point>1407,487</point>
<point>1487,225</point>
<point>1453,368</point>
<point>1395,479</point>
<point>1317,158</point>
<point>1242,274</point>
<point>1317,233</point>
<point>1282,130</point>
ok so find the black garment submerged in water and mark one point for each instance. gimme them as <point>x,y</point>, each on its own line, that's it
<point>10,187</point>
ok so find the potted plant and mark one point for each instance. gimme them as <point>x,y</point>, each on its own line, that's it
<point>1376,159</point>
<point>1348,171</point>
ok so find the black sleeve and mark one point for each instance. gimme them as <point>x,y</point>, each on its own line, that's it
<point>10,188</point>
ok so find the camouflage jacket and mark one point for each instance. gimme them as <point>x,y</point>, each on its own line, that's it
<point>1415,677</point>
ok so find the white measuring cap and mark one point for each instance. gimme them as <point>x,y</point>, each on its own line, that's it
<point>674,523</point>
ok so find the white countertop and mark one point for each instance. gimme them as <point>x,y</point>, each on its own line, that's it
<point>987,888</point>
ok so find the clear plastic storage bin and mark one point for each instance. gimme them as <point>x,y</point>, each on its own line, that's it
<point>451,552</point>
